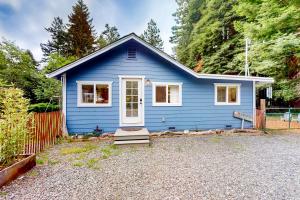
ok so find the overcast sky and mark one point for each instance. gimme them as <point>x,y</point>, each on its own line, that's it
<point>23,21</point>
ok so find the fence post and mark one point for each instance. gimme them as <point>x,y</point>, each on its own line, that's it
<point>263,110</point>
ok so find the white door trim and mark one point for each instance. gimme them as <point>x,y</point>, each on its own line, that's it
<point>120,99</point>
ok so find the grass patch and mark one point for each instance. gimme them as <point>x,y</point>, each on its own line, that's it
<point>33,173</point>
<point>40,161</point>
<point>53,162</point>
<point>78,164</point>
<point>2,193</point>
<point>78,150</point>
<point>42,158</point>
<point>110,150</point>
<point>91,163</point>
<point>238,147</point>
<point>81,157</point>
<point>215,139</point>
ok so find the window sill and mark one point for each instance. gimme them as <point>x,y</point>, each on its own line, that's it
<point>92,105</point>
<point>227,104</point>
<point>167,105</point>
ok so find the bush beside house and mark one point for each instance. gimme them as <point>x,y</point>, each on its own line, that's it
<point>14,120</point>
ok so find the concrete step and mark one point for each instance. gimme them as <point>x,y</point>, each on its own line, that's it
<point>132,137</point>
<point>132,142</point>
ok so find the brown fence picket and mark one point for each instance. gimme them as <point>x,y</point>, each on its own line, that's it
<point>44,129</point>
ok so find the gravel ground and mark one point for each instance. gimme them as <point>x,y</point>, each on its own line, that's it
<point>205,167</point>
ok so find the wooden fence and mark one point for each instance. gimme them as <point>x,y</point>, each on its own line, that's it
<point>45,128</point>
<point>260,119</point>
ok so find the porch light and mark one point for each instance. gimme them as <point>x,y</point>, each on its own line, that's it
<point>148,82</point>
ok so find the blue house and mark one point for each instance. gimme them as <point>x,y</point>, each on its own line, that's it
<point>130,83</point>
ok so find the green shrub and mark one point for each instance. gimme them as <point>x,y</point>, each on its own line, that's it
<point>43,107</point>
<point>14,120</point>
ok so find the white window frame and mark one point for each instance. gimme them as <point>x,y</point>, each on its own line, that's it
<point>166,84</point>
<point>227,85</point>
<point>94,104</point>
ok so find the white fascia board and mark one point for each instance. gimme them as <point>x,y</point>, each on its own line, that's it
<point>236,77</point>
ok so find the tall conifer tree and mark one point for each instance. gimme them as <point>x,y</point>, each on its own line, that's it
<point>151,35</point>
<point>109,35</point>
<point>58,42</point>
<point>81,31</point>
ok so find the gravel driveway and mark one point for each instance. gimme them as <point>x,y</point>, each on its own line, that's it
<point>205,167</point>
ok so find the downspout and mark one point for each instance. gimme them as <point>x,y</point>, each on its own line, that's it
<point>254,104</point>
<point>64,104</point>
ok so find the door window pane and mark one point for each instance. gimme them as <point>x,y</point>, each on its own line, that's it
<point>173,94</point>
<point>221,93</point>
<point>161,94</point>
<point>102,94</point>
<point>87,93</point>
<point>134,84</point>
<point>232,94</point>
<point>132,98</point>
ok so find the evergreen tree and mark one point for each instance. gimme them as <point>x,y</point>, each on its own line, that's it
<point>58,42</point>
<point>151,35</point>
<point>211,34</point>
<point>109,35</point>
<point>206,36</point>
<point>186,15</point>
<point>81,31</point>
<point>101,42</point>
<point>273,27</point>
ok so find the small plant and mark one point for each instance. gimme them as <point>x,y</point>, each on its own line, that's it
<point>78,164</point>
<point>92,162</point>
<point>42,158</point>
<point>40,161</point>
<point>106,153</point>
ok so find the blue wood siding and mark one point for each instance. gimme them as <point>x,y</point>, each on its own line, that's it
<point>197,111</point>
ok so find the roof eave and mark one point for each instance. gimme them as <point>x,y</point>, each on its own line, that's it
<point>236,77</point>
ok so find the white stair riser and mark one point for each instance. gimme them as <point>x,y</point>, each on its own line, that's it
<point>132,137</point>
<point>132,142</point>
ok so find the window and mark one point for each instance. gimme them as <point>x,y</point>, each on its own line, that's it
<point>93,93</point>
<point>167,94</point>
<point>227,94</point>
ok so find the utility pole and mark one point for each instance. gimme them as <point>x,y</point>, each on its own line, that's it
<point>247,72</point>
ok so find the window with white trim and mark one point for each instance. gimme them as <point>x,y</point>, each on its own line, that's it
<point>94,93</point>
<point>166,94</point>
<point>227,94</point>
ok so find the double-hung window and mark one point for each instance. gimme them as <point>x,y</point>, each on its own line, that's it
<point>166,94</point>
<point>94,93</point>
<point>227,94</point>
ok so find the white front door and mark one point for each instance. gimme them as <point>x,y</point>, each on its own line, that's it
<point>132,109</point>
